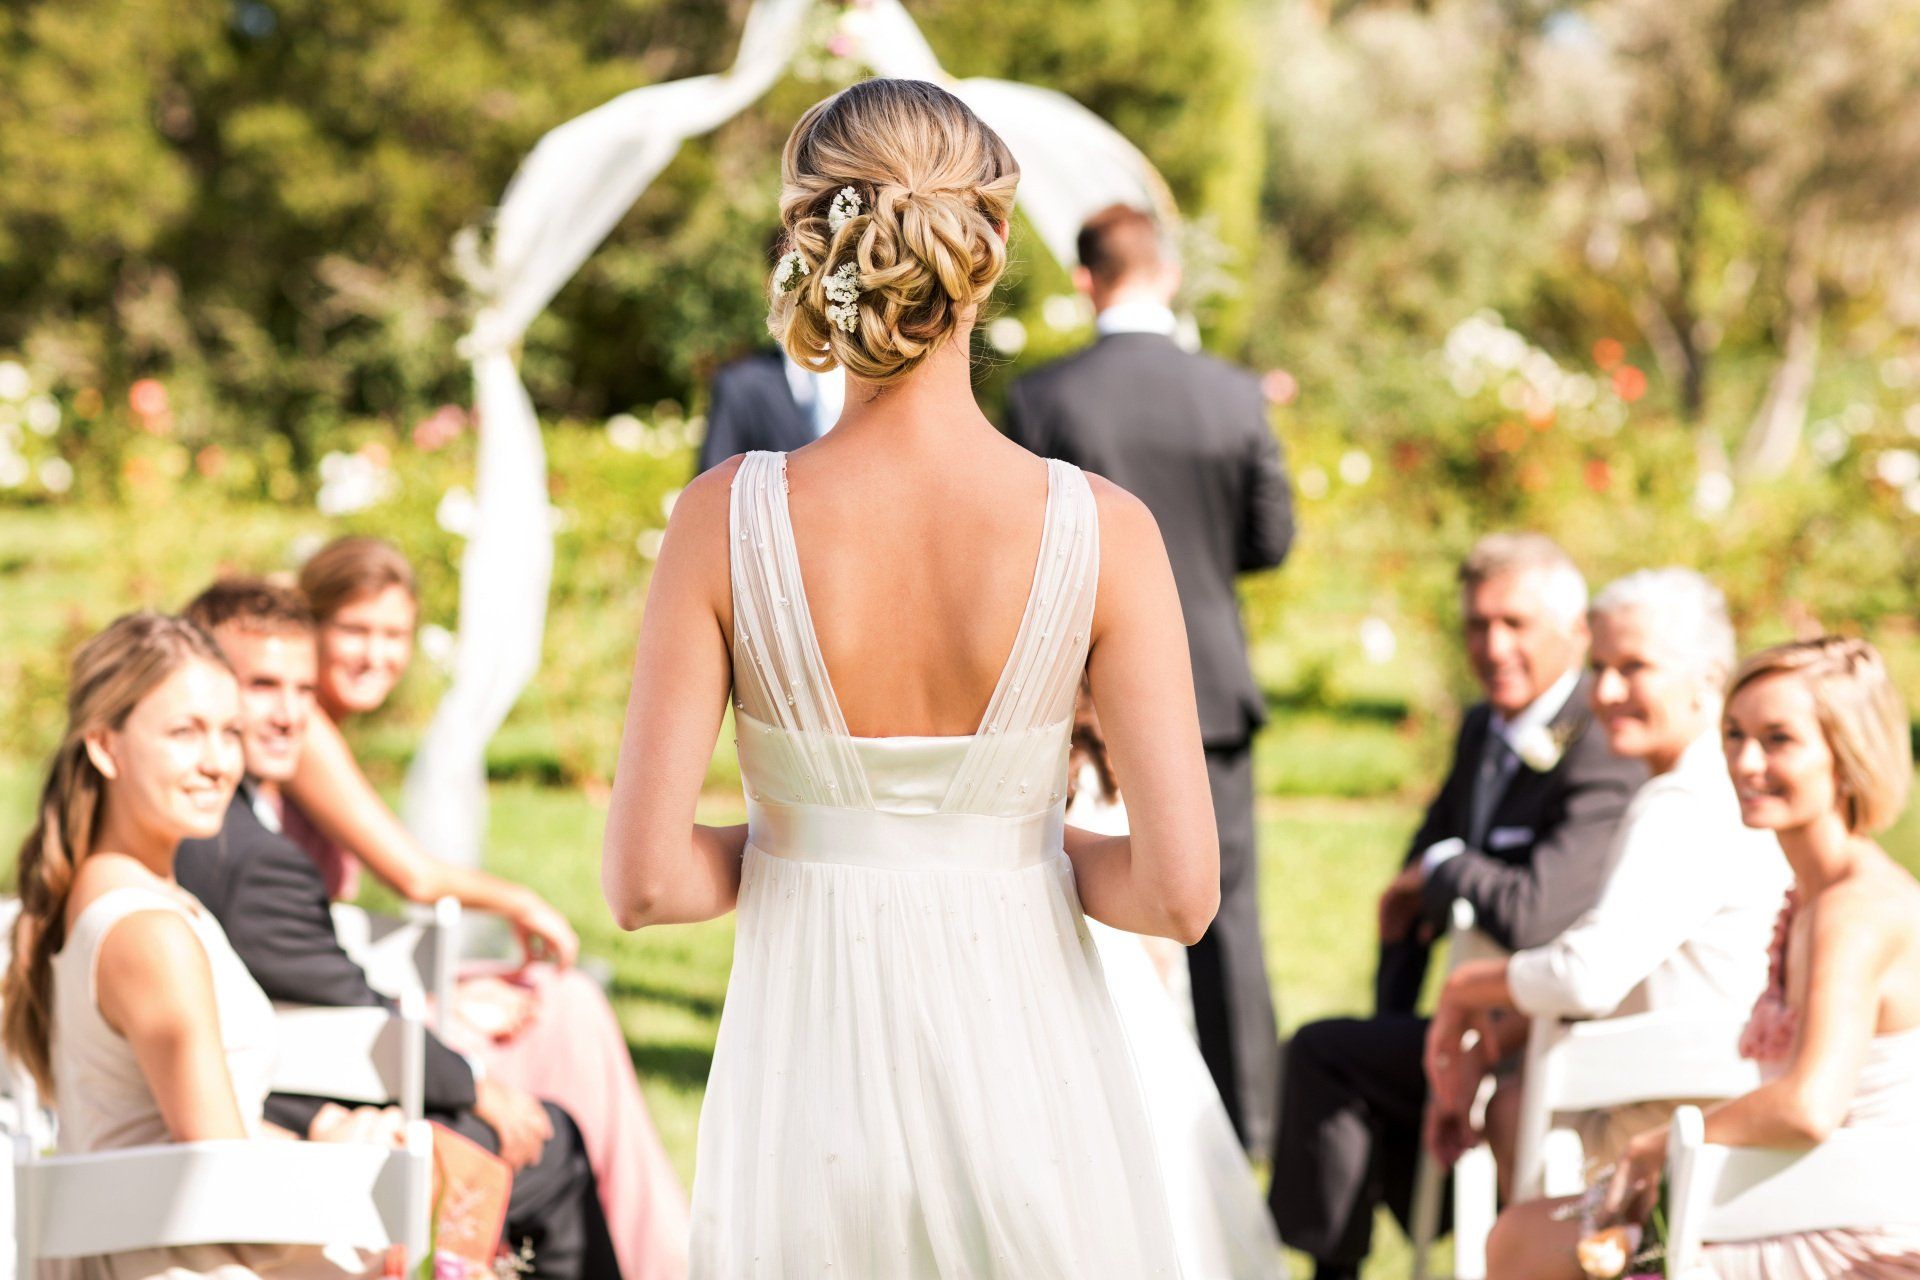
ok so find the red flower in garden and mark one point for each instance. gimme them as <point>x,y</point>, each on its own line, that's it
<point>210,461</point>
<point>1598,475</point>
<point>1406,456</point>
<point>1608,353</point>
<point>1629,383</point>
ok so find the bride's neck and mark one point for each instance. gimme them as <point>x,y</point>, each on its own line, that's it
<point>934,400</point>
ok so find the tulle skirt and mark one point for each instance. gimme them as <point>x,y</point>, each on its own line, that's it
<point>920,1073</point>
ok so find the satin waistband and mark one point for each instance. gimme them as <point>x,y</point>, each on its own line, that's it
<point>904,841</point>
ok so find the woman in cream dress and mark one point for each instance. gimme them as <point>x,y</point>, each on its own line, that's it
<point>124,999</point>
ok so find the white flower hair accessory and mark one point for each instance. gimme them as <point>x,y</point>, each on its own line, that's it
<point>844,209</point>
<point>1540,748</point>
<point>843,291</point>
<point>790,271</point>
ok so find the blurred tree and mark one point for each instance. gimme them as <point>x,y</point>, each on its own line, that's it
<point>1747,172</point>
<point>256,198</point>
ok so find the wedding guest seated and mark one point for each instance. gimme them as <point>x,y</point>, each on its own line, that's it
<point>123,998</point>
<point>1816,740</point>
<point>270,898</point>
<point>1690,901</point>
<point>1521,830</point>
<point>544,1027</point>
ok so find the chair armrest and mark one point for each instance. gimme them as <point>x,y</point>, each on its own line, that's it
<point>359,1055</point>
<point>1647,1057</point>
<point>230,1192</point>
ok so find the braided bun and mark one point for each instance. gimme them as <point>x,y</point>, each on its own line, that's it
<point>934,185</point>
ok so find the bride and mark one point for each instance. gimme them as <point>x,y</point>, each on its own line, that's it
<point>919,1071</point>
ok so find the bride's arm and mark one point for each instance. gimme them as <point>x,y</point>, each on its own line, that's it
<point>1164,877</point>
<point>657,865</point>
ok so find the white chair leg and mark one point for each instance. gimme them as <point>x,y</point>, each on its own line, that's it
<point>1426,1212</point>
<point>1563,1162</point>
<point>1476,1200</point>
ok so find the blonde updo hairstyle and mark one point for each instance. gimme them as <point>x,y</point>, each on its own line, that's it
<point>935,185</point>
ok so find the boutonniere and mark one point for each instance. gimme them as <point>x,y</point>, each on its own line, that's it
<point>1541,747</point>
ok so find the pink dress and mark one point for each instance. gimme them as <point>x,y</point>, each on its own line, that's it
<point>571,1052</point>
<point>1888,1093</point>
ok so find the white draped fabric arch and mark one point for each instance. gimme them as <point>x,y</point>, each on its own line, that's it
<point>572,189</point>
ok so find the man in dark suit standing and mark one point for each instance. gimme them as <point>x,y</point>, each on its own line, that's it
<point>1187,435</point>
<point>270,899</point>
<point>1521,829</point>
<point>766,401</point>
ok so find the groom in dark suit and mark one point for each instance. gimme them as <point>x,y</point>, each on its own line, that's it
<point>270,899</point>
<point>1521,829</point>
<point>1187,435</point>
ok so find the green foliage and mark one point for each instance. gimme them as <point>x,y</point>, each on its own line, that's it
<point>255,201</point>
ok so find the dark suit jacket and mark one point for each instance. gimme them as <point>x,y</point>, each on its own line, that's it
<point>1188,436</point>
<point>1555,832</point>
<point>271,900</point>
<point>753,408</point>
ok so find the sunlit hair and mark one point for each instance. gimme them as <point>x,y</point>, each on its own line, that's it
<point>934,185</point>
<point>1118,242</point>
<point>1862,716</point>
<point>252,604</point>
<point>1500,555</point>
<point>349,569</point>
<point>1689,613</point>
<point>111,675</point>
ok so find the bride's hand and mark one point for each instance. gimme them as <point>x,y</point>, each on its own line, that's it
<point>544,933</point>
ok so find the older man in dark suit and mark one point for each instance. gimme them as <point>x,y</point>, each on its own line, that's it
<point>272,902</point>
<point>1521,830</point>
<point>1188,435</point>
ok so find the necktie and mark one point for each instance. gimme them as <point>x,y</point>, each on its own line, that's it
<point>1496,760</point>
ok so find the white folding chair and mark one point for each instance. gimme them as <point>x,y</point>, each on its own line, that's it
<point>418,951</point>
<point>1613,1062</point>
<point>259,1191</point>
<point>1476,1187</point>
<point>366,1056</point>
<point>1858,1178</point>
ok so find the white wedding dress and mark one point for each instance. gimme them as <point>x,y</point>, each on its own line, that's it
<point>919,1071</point>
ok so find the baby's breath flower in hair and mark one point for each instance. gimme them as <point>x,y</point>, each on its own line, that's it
<point>843,291</point>
<point>790,271</point>
<point>844,209</point>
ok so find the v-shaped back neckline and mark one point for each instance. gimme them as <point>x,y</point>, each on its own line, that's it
<point>810,635</point>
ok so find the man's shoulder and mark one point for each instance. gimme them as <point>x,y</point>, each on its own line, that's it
<point>1136,355</point>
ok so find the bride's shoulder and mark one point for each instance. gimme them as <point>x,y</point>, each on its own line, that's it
<point>1125,523</point>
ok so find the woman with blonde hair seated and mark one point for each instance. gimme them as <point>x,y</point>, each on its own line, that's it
<point>543,1027</point>
<point>1817,743</point>
<point>124,999</point>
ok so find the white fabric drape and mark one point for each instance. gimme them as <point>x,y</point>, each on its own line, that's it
<point>571,190</point>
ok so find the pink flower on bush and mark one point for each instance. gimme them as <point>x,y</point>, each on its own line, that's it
<point>1279,386</point>
<point>840,45</point>
<point>148,400</point>
<point>439,429</point>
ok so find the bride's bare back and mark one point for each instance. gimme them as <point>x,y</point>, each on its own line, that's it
<point>917,574</point>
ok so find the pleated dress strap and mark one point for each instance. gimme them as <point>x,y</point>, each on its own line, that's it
<point>1042,675</point>
<point>779,676</point>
